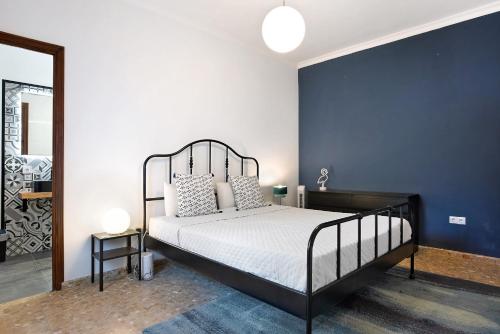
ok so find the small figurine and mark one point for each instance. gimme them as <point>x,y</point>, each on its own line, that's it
<point>323,178</point>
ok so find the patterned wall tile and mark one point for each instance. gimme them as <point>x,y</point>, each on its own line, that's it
<point>30,231</point>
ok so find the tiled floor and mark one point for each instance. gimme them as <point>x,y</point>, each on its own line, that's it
<point>129,306</point>
<point>25,275</point>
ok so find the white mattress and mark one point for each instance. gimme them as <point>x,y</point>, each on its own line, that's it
<point>271,242</point>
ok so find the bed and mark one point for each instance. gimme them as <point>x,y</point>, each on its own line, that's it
<point>285,256</point>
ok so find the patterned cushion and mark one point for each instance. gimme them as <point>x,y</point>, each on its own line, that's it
<point>247,192</point>
<point>195,195</point>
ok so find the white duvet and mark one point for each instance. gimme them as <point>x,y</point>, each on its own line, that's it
<point>271,242</point>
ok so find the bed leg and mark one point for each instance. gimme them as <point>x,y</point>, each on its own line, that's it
<point>309,315</point>
<point>412,266</point>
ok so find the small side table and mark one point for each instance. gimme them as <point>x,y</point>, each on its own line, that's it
<point>115,253</point>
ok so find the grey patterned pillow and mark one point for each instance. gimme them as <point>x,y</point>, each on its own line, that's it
<point>195,195</point>
<point>247,192</point>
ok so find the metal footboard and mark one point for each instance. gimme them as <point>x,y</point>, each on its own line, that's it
<point>386,211</point>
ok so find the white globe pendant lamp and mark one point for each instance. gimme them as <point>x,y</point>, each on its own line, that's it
<point>283,29</point>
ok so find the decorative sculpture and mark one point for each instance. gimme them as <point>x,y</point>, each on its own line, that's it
<point>323,178</point>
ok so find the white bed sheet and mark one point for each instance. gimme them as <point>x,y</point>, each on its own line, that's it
<point>271,242</point>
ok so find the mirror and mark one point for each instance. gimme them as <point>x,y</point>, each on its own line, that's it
<point>27,119</point>
<point>36,124</point>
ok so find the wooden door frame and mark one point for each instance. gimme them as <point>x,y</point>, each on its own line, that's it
<point>25,110</point>
<point>57,53</point>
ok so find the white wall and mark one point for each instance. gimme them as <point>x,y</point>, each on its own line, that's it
<point>23,65</point>
<point>138,83</point>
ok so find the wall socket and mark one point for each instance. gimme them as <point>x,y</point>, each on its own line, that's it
<point>457,220</point>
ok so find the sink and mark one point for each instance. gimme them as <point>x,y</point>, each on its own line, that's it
<point>42,186</point>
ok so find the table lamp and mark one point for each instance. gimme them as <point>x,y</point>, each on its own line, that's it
<point>115,221</point>
<point>280,191</point>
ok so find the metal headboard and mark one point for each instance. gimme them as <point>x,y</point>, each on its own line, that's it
<point>191,164</point>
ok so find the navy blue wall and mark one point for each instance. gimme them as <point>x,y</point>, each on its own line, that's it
<point>418,115</point>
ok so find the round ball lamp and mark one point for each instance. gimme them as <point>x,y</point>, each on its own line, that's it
<point>283,29</point>
<point>115,221</point>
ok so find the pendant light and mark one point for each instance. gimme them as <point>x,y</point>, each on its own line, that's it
<point>283,29</point>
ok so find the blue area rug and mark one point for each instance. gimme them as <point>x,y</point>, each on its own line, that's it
<point>428,304</point>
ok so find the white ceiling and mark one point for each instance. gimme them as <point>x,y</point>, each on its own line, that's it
<point>330,24</point>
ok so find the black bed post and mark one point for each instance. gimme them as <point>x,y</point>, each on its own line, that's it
<point>414,223</point>
<point>226,164</point>
<point>144,167</point>
<point>191,160</point>
<point>170,170</point>
<point>412,266</point>
<point>209,157</point>
<point>309,285</point>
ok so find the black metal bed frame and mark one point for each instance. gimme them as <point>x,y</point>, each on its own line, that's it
<point>302,304</point>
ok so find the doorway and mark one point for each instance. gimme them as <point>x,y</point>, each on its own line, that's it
<point>39,162</point>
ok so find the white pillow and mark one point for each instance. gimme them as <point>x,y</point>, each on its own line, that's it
<point>225,197</point>
<point>232,209</point>
<point>170,200</point>
<point>195,195</point>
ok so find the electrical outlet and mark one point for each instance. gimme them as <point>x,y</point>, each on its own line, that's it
<point>457,220</point>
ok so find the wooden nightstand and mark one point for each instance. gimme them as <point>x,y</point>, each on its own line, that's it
<point>355,201</point>
<point>115,253</point>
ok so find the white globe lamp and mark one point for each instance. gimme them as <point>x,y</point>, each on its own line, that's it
<point>283,29</point>
<point>115,221</point>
